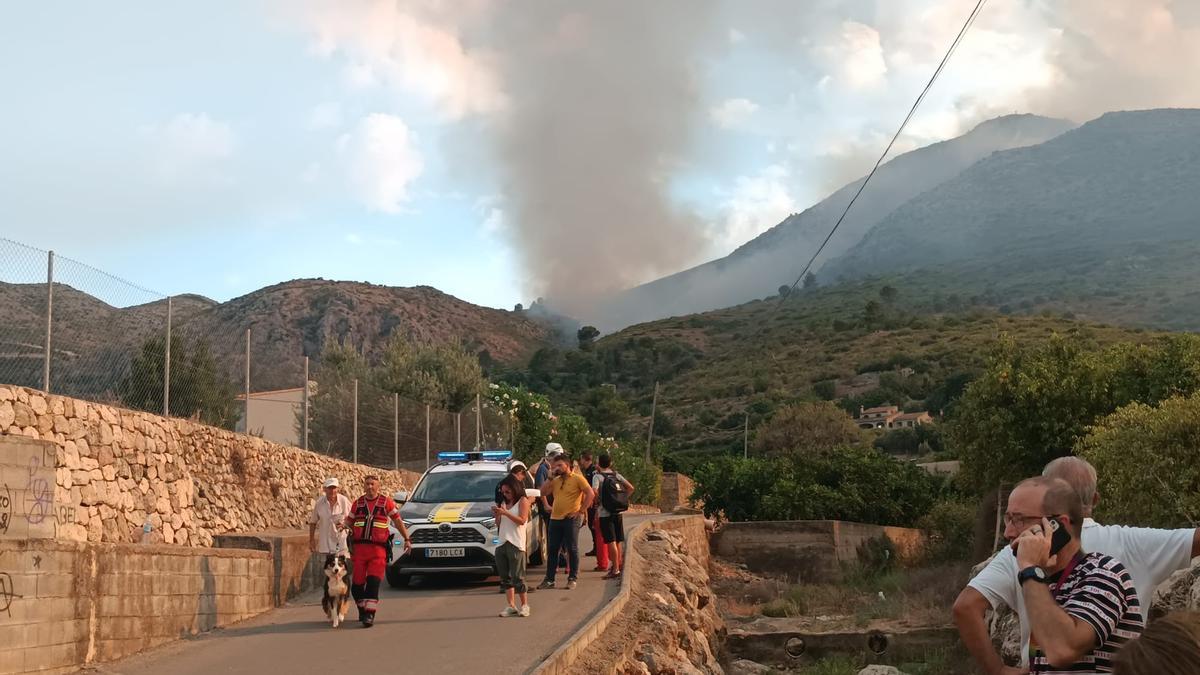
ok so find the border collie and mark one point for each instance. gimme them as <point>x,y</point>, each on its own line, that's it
<point>337,591</point>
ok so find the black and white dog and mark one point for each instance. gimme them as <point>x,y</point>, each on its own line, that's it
<point>337,590</point>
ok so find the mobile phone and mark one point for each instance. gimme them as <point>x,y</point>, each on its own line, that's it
<point>1059,538</point>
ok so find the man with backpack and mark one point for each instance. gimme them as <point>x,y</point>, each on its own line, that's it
<point>613,493</point>
<point>599,551</point>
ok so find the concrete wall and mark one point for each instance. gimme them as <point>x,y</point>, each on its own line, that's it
<point>807,550</point>
<point>114,469</point>
<point>64,604</point>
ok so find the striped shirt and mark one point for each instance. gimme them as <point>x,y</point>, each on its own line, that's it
<point>1100,592</point>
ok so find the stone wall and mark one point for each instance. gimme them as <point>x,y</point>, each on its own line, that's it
<point>65,604</point>
<point>663,620</point>
<point>676,492</point>
<point>808,550</point>
<point>116,469</point>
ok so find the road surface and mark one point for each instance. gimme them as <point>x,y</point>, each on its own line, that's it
<point>435,626</point>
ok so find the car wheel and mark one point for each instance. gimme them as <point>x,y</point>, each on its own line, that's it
<point>396,579</point>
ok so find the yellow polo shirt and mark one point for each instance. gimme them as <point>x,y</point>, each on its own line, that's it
<point>568,495</point>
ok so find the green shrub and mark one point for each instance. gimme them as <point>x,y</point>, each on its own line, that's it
<point>950,526</point>
<point>1148,460</point>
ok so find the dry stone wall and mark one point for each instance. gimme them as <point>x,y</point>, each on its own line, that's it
<point>116,469</point>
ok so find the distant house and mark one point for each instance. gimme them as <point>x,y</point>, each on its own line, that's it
<point>273,415</point>
<point>890,417</point>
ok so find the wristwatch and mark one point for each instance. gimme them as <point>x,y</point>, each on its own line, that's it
<point>1031,574</point>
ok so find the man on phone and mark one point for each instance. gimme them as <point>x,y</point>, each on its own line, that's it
<point>1082,607</point>
<point>1150,555</point>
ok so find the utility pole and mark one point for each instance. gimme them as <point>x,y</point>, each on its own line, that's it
<point>478,423</point>
<point>49,320</point>
<point>356,420</point>
<point>246,412</point>
<point>426,435</point>
<point>653,410</point>
<point>305,425</point>
<point>458,428</point>
<point>167,366</point>
<point>746,437</point>
<point>396,430</point>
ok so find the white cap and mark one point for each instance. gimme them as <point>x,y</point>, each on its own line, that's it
<point>553,449</point>
<point>517,465</point>
<point>332,482</point>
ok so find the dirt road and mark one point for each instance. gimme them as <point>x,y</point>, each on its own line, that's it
<point>435,626</point>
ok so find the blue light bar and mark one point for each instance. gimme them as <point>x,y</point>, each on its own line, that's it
<point>496,455</point>
<point>452,456</point>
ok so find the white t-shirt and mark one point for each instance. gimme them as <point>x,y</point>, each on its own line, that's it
<point>1150,555</point>
<point>511,532</point>
<point>325,517</point>
<point>597,482</point>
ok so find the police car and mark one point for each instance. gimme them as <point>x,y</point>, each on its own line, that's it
<point>449,517</point>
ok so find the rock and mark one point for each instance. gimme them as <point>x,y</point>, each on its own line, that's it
<point>7,415</point>
<point>1180,591</point>
<point>880,670</point>
<point>37,404</point>
<point>745,667</point>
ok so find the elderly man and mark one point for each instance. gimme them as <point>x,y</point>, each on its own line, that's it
<point>1150,555</point>
<point>328,519</point>
<point>1081,607</point>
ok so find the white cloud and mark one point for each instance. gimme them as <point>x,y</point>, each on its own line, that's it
<point>733,112</point>
<point>736,36</point>
<point>860,56</point>
<point>404,46</point>
<point>196,136</point>
<point>495,222</point>
<point>325,115</point>
<point>382,161</point>
<point>756,204</point>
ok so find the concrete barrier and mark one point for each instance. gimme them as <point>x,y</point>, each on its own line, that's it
<point>560,662</point>
<point>808,550</point>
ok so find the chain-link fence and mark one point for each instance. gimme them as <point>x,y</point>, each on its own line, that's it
<point>67,328</point>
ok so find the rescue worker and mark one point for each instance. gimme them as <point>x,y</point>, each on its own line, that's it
<point>368,524</point>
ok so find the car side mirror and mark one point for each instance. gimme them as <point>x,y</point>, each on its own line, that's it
<point>533,492</point>
<point>401,496</point>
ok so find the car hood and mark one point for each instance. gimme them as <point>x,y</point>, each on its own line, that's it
<point>419,513</point>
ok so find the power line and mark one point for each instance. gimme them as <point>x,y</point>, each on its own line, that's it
<point>953,46</point>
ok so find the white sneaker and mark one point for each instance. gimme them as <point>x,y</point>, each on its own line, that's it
<point>571,585</point>
<point>510,611</point>
<point>524,610</point>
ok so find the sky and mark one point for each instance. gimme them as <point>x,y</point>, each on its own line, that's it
<point>503,150</point>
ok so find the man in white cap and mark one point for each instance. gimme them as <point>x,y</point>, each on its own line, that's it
<point>329,517</point>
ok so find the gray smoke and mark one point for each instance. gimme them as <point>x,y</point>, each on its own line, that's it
<point>604,103</point>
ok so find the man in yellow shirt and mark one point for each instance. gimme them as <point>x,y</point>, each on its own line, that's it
<point>572,497</point>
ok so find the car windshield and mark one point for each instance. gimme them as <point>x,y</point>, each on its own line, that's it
<point>458,486</point>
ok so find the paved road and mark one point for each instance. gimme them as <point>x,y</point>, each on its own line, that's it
<point>435,626</point>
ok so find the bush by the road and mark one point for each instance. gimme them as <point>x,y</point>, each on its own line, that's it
<point>1148,460</point>
<point>849,483</point>
<point>950,528</point>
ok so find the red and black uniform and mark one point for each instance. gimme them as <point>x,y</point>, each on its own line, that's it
<point>369,532</point>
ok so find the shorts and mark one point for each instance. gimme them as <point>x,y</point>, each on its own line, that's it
<point>510,566</point>
<point>612,528</point>
<point>370,560</point>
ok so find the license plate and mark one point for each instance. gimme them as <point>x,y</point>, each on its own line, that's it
<point>445,552</point>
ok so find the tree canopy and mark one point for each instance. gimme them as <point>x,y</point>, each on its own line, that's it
<point>198,388</point>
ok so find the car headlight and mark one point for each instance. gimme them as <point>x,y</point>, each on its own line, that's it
<point>490,523</point>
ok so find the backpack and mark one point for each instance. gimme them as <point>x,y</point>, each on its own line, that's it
<point>613,495</point>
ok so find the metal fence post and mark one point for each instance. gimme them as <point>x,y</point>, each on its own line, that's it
<point>396,429</point>
<point>49,320</point>
<point>304,431</point>
<point>356,420</point>
<point>426,435</point>
<point>458,428</point>
<point>167,365</point>
<point>478,423</point>
<point>246,412</point>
